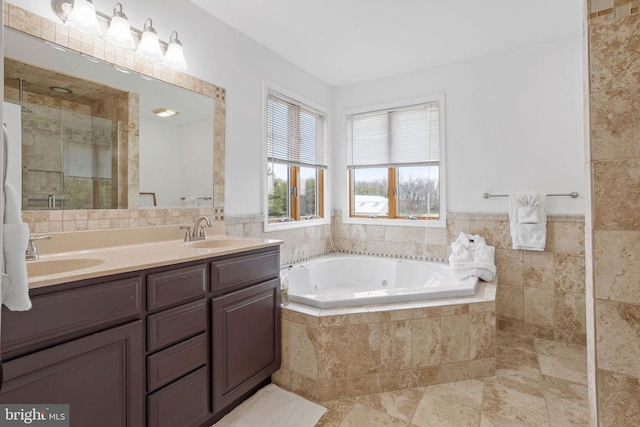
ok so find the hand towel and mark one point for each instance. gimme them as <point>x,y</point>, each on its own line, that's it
<point>471,256</point>
<point>15,287</point>
<point>528,221</point>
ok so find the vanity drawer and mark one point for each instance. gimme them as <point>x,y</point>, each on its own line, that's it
<point>176,361</point>
<point>65,313</point>
<point>185,402</point>
<point>175,324</point>
<point>177,285</point>
<point>242,271</point>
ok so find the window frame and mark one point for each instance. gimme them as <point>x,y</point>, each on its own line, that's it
<point>348,215</point>
<point>323,214</point>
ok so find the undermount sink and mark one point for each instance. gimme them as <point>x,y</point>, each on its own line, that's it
<point>216,243</point>
<point>57,266</point>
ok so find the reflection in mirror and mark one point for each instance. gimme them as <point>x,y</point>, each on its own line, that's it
<point>101,145</point>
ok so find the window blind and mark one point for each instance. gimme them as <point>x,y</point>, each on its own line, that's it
<point>408,136</point>
<point>295,133</point>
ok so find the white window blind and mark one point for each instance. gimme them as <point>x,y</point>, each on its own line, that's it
<point>295,133</point>
<point>408,136</point>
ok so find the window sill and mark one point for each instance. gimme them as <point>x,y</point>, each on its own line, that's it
<point>277,226</point>
<point>441,223</point>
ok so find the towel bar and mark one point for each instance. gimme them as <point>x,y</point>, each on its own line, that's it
<point>573,195</point>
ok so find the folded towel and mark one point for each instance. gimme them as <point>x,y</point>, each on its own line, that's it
<point>471,256</point>
<point>15,287</point>
<point>528,221</point>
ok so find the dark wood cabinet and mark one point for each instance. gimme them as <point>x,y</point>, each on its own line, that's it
<point>170,346</point>
<point>99,376</point>
<point>246,340</point>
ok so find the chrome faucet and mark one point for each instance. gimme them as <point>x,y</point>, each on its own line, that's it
<point>198,232</point>
<point>32,252</point>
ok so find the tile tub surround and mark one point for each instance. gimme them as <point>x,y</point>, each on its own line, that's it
<point>613,226</point>
<point>540,294</point>
<point>339,353</point>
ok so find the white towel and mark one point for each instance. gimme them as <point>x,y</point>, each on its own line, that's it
<point>471,256</point>
<point>15,283</point>
<point>528,221</point>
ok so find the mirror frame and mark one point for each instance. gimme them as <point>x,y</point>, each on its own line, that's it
<point>34,25</point>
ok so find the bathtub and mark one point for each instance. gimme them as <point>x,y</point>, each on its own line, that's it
<point>347,280</point>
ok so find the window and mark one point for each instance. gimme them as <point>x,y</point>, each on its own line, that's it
<point>394,163</point>
<point>296,139</point>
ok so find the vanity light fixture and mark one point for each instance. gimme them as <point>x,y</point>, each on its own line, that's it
<point>119,32</point>
<point>149,46</point>
<point>164,112</point>
<point>174,58</point>
<point>83,18</point>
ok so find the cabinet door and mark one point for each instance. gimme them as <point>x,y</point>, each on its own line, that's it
<point>100,376</point>
<point>246,341</point>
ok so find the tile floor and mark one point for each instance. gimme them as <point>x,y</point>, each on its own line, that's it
<point>537,383</point>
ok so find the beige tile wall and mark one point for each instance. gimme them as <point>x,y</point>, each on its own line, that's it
<point>540,294</point>
<point>614,226</point>
<point>327,357</point>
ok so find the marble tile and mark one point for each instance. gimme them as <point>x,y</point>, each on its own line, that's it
<point>617,343</point>
<point>397,380</point>
<point>618,399</point>
<point>538,306</point>
<point>303,356</point>
<point>612,47</point>
<point>332,353</point>
<point>434,411</point>
<point>617,269</point>
<point>510,302</point>
<point>616,194</point>
<point>361,416</point>
<point>482,343</point>
<point>366,384</point>
<point>570,311</point>
<point>538,270</point>
<point>398,404</point>
<point>468,393</point>
<point>564,361</point>
<point>482,368</point>
<point>454,338</point>
<point>567,402</point>
<point>363,342</point>
<point>337,410</point>
<point>516,399</point>
<point>426,342</point>
<point>510,267</point>
<point>614,128</point>
<point>395,345</point>
<point>568,238</point>
<point>506,404</point>
<point>569,273</point>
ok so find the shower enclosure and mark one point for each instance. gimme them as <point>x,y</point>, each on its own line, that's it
<point>69,159</point>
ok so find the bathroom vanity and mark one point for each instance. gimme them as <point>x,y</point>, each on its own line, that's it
<point>171,345</point>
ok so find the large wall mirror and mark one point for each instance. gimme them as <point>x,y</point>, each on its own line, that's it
<point>105,144</point>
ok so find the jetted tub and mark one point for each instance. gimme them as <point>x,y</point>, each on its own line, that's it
<point>347,280</point>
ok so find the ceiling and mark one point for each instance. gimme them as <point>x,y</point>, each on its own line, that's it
<point>345,42</point>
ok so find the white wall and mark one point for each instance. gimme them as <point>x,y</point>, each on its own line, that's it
<point>160,165</point>
<point>196,154</point>
<point>514,122</point>
<point>225,57</point>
